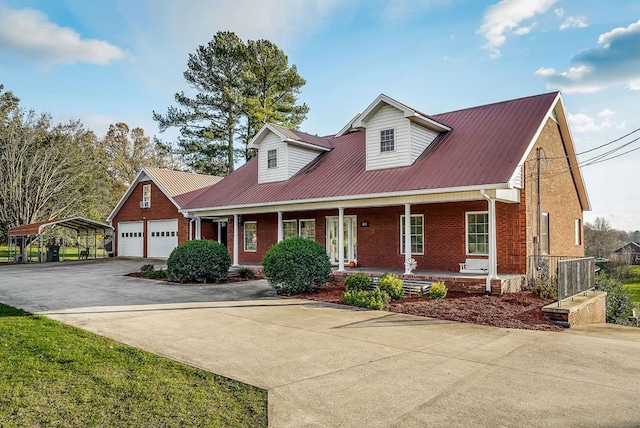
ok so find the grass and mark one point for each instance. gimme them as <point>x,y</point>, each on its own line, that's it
<point>67,252</point>
<point>633,283</point>
<point>52,374</point>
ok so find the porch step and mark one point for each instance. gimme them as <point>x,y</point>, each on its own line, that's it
<point>409,286</point>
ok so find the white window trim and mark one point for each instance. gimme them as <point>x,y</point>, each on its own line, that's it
<point>548,230</point>
<point>395,141</point>
<point>244,232</point>
<point>300,227</point>
<point>276,159</point>
<point>146,195</point>
<point>578,231</point>
<point>402,232</point>
<point>466,232</point>
<point>296,228</point>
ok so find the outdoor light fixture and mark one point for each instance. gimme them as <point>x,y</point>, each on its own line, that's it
<point>364,224</point>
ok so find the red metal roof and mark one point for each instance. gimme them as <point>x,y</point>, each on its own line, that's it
<point>484,147</point>
<point>79,224</point>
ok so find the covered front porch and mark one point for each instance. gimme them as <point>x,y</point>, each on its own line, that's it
<point>372,235</point>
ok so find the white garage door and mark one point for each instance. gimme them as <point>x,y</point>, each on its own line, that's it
<point>162,237</point>
<point>130,239</point>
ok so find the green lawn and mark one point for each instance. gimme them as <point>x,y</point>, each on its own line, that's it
<point>52,374</point>
<point>633,283</point>
<point>65,253</point>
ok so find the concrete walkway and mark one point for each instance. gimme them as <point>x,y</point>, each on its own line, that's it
<point>328,365</point>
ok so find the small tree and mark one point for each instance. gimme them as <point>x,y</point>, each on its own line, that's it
<point>199,261</point>
<point>296,265</point>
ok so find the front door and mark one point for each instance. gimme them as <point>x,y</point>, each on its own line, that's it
<point>350,238</point>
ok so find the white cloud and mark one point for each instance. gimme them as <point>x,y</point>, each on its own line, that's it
<point>559,12</point>
<point>574,22</point>
<point>524,30</point>
<point>504,18</point>
<point>29,33</point>
<point>613,62</point>
<point>583,123</point>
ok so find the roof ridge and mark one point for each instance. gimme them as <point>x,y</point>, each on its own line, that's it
<point>555,93</point>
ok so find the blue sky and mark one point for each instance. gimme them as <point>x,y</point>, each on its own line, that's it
<point>117,61</point>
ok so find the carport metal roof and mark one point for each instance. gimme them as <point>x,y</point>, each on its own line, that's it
<point>82,225</point>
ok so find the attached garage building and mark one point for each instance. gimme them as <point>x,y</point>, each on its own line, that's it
<point>146,219</point>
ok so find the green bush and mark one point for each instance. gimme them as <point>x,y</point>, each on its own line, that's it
<point>296,265</point>
<point>357,281</point>
<point>199,261</point>
<point>546,288</point>
<point>438,291</point>
<point>245,272</point>
<point>374,299</point>
<point>392,285</point>
<point>618,300</point>
<point>145,269</point>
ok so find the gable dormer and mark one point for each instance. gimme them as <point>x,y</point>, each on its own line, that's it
<point>282,152</point>
<point>395,133</point>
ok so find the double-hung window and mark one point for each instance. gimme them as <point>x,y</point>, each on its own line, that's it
<point>544,233</point>
<point>250,236</point>
<point>308,229</point>
<point>387,140</point>
<point>417,234</point>
<point>289,228</point>
<point>272,159</point>
<point>478,233</point>
<point>146,196</point>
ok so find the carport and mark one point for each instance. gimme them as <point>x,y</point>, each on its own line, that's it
<point>51,246</point>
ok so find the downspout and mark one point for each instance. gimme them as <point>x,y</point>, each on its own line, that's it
<point>492,274</point>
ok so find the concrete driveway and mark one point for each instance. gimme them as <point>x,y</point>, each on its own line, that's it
<point>328,365</point>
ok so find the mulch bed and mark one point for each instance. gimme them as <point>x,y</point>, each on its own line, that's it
<point>512,310</point>
<point>229,279</point>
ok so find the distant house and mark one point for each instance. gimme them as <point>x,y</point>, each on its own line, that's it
<point>147,220</point>
<point>455,192</point>
<point>631,250</point>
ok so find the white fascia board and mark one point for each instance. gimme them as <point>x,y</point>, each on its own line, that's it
<point>255,141</point>
<point>543,122</point>
<point>348,126</point>
<point>348,198</point>
<point>307,145</point>
<point>428,123</point>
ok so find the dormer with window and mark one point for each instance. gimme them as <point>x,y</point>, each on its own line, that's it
<point>396,134</point>
<point>283,152</point>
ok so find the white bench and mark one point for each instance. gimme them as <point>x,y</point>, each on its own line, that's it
<point>475,266</point>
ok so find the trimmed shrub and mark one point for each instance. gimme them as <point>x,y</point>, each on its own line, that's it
<point>199,261</point>
<point>546,288</point>
<point>296,265</point>
<point>392,285</point>
<point>618,300</point>
<point>246,273</point>
<point>146,268</point>
<point>438,291</point>
<point>374,299</point>
<point>357,281</point>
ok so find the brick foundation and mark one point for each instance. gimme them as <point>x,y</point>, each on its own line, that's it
<point>579,310</point>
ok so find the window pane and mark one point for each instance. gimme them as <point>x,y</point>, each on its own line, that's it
<point>289,228</point>
<point>308,229</point>
<point>387,143</point>
<point>272,159</point>
<point>478,233</point>
<point>417,234</point>
<point>250,236</point>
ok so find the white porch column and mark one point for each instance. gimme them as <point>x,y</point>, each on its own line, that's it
<point>407,238</point>
<point>219,232</point>
<point>198,228</point>
<point>235,240</point>
<point>191,229</point>
<point>340,239</point>
<point>493,254</point>
<point>280,227</point>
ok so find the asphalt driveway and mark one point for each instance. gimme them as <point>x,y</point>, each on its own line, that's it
<point>328,365</point>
